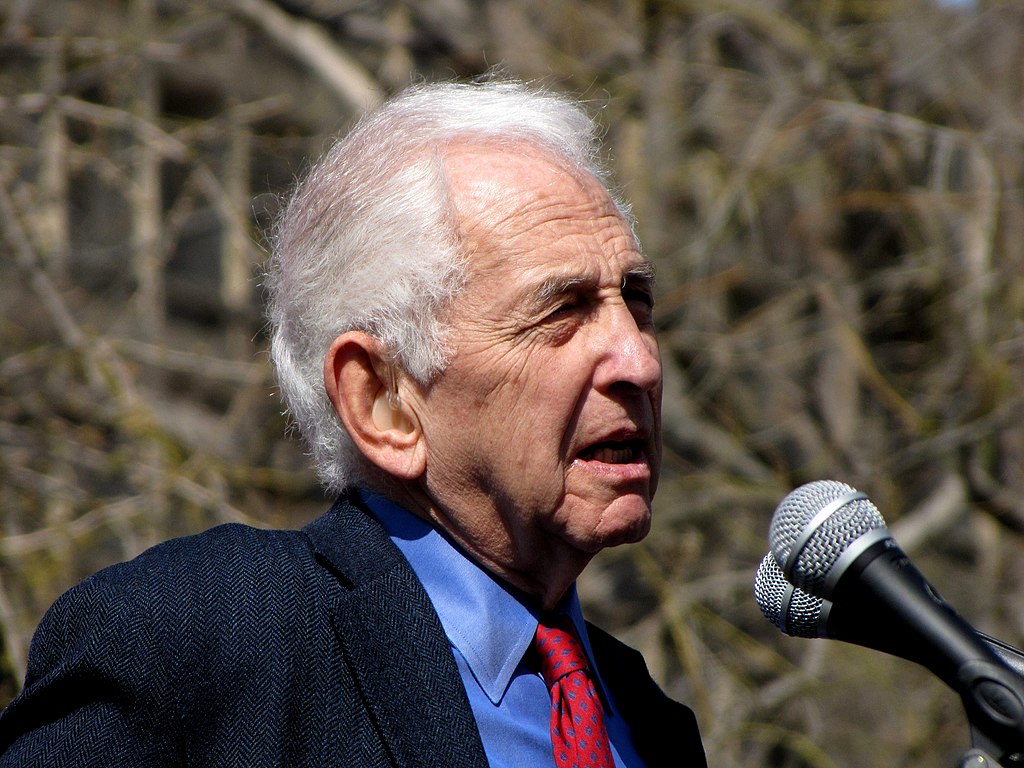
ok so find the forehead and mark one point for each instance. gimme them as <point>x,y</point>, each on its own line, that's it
<point>526,216</point>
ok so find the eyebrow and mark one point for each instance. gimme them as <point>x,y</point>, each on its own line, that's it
<point>643,274</point>
<point>559,285</point>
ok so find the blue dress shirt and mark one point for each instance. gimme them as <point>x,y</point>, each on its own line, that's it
<point>491,627</point>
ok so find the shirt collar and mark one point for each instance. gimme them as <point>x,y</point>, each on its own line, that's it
<point>490,623</point>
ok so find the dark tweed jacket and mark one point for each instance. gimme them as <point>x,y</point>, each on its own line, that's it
<point>244,648</point>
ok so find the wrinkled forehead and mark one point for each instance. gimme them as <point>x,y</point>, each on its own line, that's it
<point>531,225</point>
<point>492,179</point>
<point>515,193</point>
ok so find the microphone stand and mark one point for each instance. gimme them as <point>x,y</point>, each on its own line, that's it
<point>984,746</point>
<point>978,759</point>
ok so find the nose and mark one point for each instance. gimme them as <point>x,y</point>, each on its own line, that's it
<point>628,354</point>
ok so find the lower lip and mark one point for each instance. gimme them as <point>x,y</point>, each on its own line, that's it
<point>631,472</point>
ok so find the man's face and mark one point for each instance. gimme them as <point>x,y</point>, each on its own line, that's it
<point>543,433</point>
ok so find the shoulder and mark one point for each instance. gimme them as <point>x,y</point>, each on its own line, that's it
<point>221,556</point>
<point>122,651</point>
<point>218,562</point>
<point>177,592</point>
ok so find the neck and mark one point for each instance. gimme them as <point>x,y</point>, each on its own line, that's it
<point>534,564</point>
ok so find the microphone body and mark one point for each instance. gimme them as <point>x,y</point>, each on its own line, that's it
<point>884,581</point>
<point>797,613</point>
<point>830,541</point>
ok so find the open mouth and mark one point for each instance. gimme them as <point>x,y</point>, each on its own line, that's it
<point>614,452</point>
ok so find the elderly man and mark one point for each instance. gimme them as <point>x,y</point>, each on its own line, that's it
<point>462,329</point>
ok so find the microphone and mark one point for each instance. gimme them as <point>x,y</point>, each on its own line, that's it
<point>830,541</point>
<point>799,614</point>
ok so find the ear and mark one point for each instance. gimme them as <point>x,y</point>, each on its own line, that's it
<point>364,388</point>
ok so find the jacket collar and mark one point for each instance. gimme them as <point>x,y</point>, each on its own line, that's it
<point>393,642</point>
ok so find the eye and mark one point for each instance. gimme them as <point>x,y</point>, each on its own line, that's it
<point>567,305</point>
<point>565,316</point>
<point>640,301</point>
<point>638,294</point>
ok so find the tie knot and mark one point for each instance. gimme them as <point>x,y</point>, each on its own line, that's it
<point>560,652</point>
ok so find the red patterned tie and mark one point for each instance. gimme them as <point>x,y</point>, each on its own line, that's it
<point>578,735</point>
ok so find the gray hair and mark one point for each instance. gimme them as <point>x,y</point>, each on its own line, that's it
<point>370,240</point>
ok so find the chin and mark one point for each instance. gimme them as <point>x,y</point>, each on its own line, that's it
<point>621,527</point>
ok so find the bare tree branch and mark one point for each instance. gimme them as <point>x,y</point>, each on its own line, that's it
<point>311,45</point>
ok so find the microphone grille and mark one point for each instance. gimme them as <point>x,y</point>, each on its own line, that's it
<point>790,610</point>
<point>821,547</point>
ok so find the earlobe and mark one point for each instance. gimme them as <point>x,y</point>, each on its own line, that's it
<point>363,387</point>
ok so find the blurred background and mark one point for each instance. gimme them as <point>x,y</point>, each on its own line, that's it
<point>831,191</point>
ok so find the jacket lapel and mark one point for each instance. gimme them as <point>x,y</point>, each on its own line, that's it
<point>664,731</point>
<point>394,644</point>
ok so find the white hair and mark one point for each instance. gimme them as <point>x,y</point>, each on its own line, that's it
<point>370,240</point>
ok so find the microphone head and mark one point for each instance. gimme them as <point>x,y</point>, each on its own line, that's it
<point>814,525</point>
<point>789,609</point>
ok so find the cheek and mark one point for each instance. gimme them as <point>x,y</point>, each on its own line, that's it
<point>528,399</point>
<point>491,437</point>
<point>505,415</point>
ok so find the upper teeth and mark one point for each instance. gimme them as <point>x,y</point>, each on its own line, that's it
<point>612,455</point>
